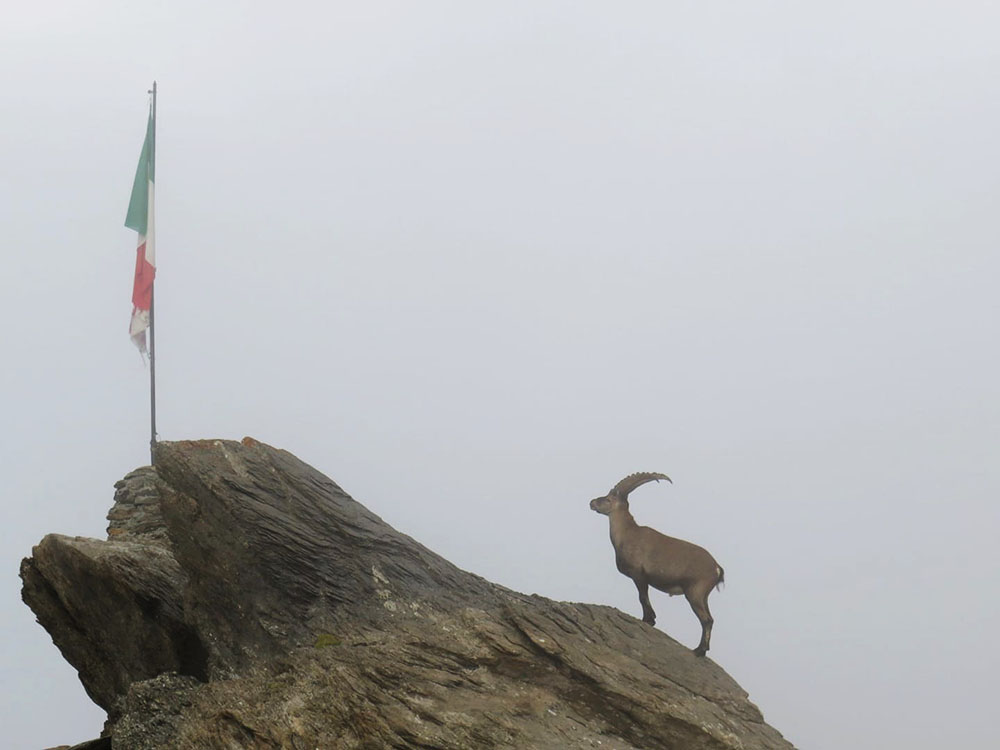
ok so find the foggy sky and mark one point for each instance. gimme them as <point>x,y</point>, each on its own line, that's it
<point>477,262</point>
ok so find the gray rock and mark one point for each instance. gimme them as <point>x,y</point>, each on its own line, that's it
<point>244,600</point>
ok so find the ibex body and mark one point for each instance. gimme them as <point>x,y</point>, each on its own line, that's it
<point>650,558</point>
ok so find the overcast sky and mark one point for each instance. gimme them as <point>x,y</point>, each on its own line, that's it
<point>478,261</point>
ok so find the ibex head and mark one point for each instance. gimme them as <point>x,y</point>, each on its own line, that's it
<point>618,496</point>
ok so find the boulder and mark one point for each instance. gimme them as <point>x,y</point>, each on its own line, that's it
<point>244,600</point>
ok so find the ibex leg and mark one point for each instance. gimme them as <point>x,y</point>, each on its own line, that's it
<point>698,599</point>
<point>648,615</point>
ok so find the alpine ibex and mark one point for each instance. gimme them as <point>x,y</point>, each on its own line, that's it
<point>650,558</point>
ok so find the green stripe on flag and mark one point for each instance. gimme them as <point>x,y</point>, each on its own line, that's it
<point>138,204</point>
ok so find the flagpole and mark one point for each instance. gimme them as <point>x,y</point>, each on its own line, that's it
<point>152,334</point>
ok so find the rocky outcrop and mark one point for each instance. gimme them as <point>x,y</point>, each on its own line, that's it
<point>244,600</point>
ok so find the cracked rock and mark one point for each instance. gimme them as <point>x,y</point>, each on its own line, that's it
<point>244,600</point>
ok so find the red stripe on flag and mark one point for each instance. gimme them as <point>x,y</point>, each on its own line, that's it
<point>142,290</point>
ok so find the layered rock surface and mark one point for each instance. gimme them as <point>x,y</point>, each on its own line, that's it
<point>244,600</point>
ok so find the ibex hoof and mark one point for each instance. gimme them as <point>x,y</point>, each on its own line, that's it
<point>649,619</point>
<point>700,651</point>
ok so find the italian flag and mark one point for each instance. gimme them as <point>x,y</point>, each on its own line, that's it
<point>140,218</point>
